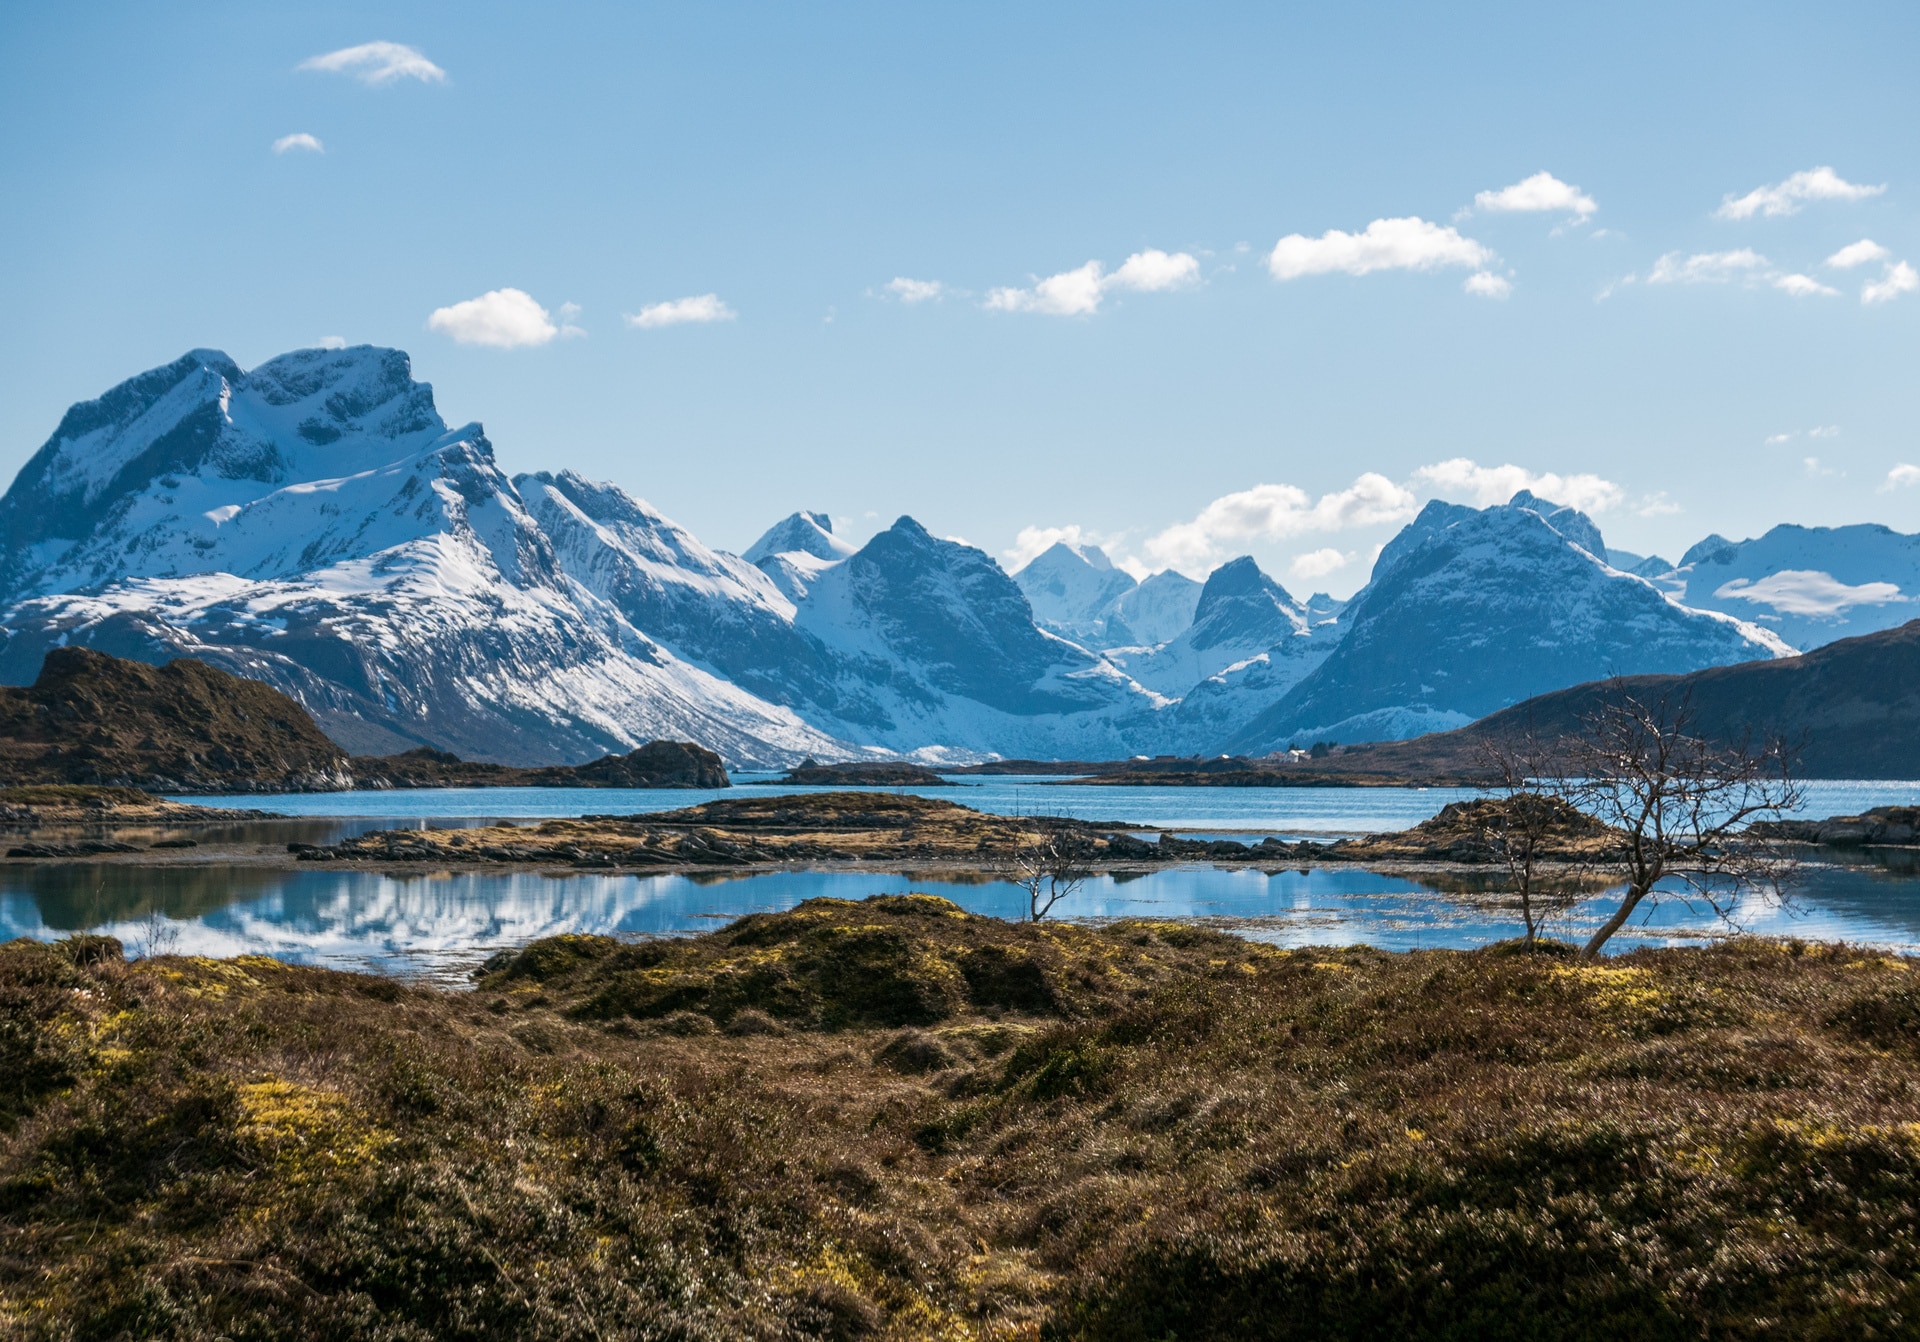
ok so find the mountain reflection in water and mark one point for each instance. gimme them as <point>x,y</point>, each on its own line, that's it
<point>441,923</point>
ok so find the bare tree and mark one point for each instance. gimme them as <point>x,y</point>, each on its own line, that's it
<point>1521,824</point>
<point>1049,868</point>
<point>1680,803</point>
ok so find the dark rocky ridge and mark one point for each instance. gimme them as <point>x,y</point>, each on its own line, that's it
<point>663,764</point>
<point>1853,705</point>
<point>1882,826</point>
<point>182,727</point>
<point>91,718</point>
<point>874,773</point>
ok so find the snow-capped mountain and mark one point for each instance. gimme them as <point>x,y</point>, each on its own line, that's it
<point>935,644</point>
<point>1810,585</point>
<point>1154,612</point>
<point>641,571</point>
<point>796,550</point>
<point>314,524</point>
<point>1072,591</point>
<point>1651,567</point>
<point>1471,610</point>
<point>1076,592</point>
<point>1242,614</point>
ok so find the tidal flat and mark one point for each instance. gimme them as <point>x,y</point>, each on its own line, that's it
<point>889,1118</point>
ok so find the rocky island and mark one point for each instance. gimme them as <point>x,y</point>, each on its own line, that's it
<point>883,827</point>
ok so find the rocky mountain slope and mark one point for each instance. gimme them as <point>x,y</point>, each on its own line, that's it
<point>1852,706</point>
<point>1471,610</point>
<point>90,718</point>
<point>314,524</point>
<point>932,642</point>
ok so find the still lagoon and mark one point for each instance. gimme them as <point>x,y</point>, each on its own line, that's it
<point>440,924</point>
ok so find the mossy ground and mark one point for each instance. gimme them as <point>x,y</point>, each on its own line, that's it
<point>820,1124</point>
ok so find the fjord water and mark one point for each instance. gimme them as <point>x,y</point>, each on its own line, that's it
<point>441,923</point>
<point>1286,811</point>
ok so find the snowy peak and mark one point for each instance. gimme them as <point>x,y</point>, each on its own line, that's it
<point>802,533</point>
<point>1811,585</point>
<point>950,613</point>
<point>795,551</point>
<point>145,479</point>
<point>1158,611</point>
<point>1240,604</point>
<point>1471,610</point>
<point>1575,525</point>
<point>649,541</point>
<point>1242,617</point>
<point>1072,590</point>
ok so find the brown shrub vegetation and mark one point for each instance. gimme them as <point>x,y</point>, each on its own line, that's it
<point>820,1124</point>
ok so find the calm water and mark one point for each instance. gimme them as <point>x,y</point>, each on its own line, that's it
<point>441,924</point>
<point>1287,812</point>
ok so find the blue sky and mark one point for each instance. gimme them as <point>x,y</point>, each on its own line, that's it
<point>1223,393</point>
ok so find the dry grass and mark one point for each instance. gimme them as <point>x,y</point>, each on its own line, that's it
<point>821,1124</point>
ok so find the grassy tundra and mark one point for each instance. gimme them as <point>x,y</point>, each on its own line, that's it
<point>891,1119</point>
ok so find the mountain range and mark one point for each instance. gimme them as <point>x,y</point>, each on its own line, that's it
<point>315,524</point>
<point>1848,709</point>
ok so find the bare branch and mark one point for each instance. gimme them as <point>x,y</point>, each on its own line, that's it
<point>1683,805</point>
<point>1049,868</point>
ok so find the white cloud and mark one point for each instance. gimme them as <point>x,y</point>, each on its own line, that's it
<point>678,311</point>
<point>1540,192</point>
<point>569,318</point>
<point>1658,505</point>
<point>502,318</point>
<point>1795,591</point>
<point>1386,244</point>
<point>1815,470</point>
<point>1316,564</point>
<point>333,342</point>
<point>1276,512</point>
<point>1077,292</point>
<point>377,63</point>
<point>1902,476</point>
<point>302,141</point>
<point>1153,271</point>
<point>1824,431</point>
<point>1071,293</point>
<point>1775,439</point>
<point>1787,197</point>
<point>914,291</point>
<point>1705,267</point>
<point>1800,286</point>
<point>1464,479</point>
<point>1859,253</point>
<point>1899,279</point>
<point>1486,284</point>
<point>1034,541</point>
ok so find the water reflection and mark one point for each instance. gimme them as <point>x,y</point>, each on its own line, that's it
<point>439,922</point>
